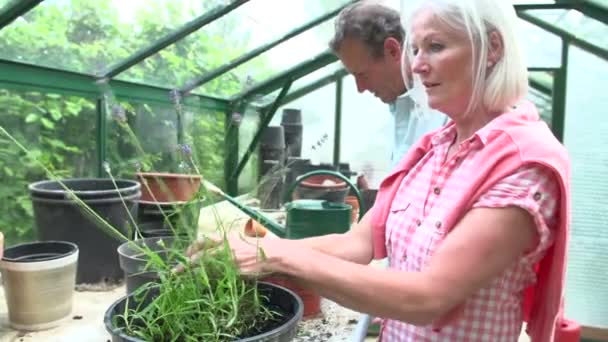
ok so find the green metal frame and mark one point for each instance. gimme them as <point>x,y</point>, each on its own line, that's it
<point>15,10</point>
<point>256,138</point>
<point>101,134</point>
<point>565,35</point>
<point>593,10</point>
<point>338,122</point>
<point>258,51</point>
<point>322,82</point>
<point>558,117</point>
<point>172,37</point>
<point>294,73</point>
<point>20,76</point>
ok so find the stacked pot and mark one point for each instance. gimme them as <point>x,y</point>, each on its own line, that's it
<point>167,206</point>
<point>278,146</point>
<point>60,217</point>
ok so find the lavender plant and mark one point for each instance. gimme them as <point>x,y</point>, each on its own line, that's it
<point>208,301</point>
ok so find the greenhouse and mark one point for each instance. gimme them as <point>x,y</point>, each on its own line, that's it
<point>244,106</point>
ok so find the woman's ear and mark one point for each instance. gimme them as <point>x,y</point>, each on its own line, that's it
<point>495,48</point>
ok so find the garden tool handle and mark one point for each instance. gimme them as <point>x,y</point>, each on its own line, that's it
<point>336,174</point>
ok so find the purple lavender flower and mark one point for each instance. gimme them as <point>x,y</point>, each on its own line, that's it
<point>119,114</point>
<point>237,118</point>
<point>186,149</point>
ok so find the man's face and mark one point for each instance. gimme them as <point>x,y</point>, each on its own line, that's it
<point>378,75</point>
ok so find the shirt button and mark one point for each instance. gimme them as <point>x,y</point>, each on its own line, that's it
<point>537,196</point>
<point>438,224</point>
<point>437,190</point>
<point>418,223</point>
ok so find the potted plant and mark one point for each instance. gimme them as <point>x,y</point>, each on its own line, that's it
<point>209,301</point>
<point>224,305</point>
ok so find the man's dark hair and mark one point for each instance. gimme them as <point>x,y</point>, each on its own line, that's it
<point>369,22</point>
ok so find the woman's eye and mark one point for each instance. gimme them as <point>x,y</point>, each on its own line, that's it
<point>436,47</point>
<point>414,51</point>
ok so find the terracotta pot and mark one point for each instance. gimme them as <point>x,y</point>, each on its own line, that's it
<point>354,203</point>
<point>255,229</point>
<point>311,300</point>
<point>168,187</point>
<point>323,187</point>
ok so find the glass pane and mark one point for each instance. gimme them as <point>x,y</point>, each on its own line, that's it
<point>577,23</point>
<point>367,132</point>
<point>249,126</point>
<point>243,29</point>
<point>149,140</point>
<point>532,2</point>
<point>318,110</point>
<point>58,131</point>
<point>265,100</point>
<point>146,142</point>
<point>586,129</point>
<point>543,104</point>
<point>90,36</point>
<point>4,3</point>
<point>541,48</point>
<point>316,75</point>
<point>204,132</point>
<point>273,62</point>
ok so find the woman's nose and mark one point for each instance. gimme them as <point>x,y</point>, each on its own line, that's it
<point>419,64</point>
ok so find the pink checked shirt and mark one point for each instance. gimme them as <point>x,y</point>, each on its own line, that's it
<point>414,231</point>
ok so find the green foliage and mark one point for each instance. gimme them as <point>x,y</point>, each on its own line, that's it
<point>61,131</point>
<point>58,131</point>
<point>208,301</point>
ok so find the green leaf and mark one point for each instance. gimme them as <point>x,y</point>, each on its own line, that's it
<point>55,114</point>
<point>31,118</point>
<point>47,123</point>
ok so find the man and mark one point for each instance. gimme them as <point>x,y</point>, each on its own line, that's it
<point>368,40</point>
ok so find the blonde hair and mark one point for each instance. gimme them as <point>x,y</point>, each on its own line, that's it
<point>507,80</point>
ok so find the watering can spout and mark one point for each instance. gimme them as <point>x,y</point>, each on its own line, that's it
<point>269,224</point>
<point>264,220</point>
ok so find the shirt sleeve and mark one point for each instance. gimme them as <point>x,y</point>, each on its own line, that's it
<point>533,188</point>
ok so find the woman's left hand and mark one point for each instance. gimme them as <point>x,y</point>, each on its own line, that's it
<point>258,256</point>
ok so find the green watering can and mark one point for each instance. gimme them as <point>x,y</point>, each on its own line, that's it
<point>308,217</point>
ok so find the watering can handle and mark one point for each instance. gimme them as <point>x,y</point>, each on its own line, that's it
<point>329,173</point>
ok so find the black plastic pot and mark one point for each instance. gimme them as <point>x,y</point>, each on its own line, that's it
<point>159,229</point>
<point>59,217</point>
<point>135,263</point>
<point>270,188</point>
<point>278,299</point>
<point>291,121</point>
<point>84,188</point>
<point>272,144</point>
<point>184,214</point>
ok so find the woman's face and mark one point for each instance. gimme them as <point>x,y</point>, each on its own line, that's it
<point>443,60</point>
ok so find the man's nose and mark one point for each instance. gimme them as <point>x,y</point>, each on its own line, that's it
<point>360,85</point>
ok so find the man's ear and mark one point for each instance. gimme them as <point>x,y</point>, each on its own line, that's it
<point>495,48</point>
<point>392,49</point>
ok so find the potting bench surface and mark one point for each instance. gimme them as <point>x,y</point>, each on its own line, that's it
<point>335,323</point>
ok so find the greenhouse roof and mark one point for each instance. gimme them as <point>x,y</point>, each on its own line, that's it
<point>147,50</point>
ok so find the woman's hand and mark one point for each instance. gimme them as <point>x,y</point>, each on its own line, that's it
<point>253,256</point>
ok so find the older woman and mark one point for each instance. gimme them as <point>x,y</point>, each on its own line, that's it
<point>474,218</point>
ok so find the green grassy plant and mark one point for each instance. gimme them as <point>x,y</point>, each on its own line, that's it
<point>208,301</point>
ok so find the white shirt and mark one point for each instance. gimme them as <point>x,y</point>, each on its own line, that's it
<point>410,127</point>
